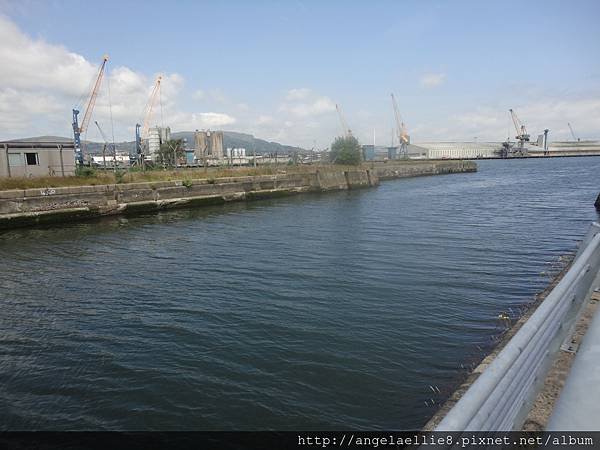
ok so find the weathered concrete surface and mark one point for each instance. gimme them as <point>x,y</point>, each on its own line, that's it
<point>25,207</point>
<point>389,170</point>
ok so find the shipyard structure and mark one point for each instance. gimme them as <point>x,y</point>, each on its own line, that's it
<point>208,145</point>
<point>157,136</point>
<point>482,150</point>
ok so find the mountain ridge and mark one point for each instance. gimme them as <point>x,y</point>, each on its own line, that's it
<point>232,139</point>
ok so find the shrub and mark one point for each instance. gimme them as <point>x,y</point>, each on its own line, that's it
<point>84,171</point>
<point>346,150</point>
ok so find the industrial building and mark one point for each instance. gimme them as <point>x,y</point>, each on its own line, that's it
<point>382,153</point>
<point>569,148</point>
<point>460,150</point>
<point>476,150</point>
<point>209,145</point>
<point>37,159</point>
<point>236,156</point>
<point>156,137</point>
<point>115,160</point>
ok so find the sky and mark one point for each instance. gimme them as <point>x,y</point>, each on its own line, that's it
<point>277,69</point>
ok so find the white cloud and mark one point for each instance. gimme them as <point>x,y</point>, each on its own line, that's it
<point>16,108</point>
<point>493,123</point>
<point>297,94</point>
<point>212,119</point>
<point>431,80</point>
<point>41,82</point>
<point>28,63</point>
<point>184,121</point>
<point>305,103</point>
<point>265,120</point>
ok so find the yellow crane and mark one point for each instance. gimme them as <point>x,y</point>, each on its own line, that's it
<point>403,138</point>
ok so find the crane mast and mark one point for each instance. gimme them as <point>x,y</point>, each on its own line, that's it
<point>101,132</point>
<point>106,145</point>
<point>575,138</point>
<point>77,129</point>
<point>150,107</point>
<point>346,132</point>
<point>521,130</point>
<point>141,131</point>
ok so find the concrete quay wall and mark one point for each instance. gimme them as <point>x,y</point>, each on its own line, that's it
<point>26,207</point>
<point>390,171</point>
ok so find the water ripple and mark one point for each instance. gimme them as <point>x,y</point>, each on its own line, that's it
<point>309,312</point>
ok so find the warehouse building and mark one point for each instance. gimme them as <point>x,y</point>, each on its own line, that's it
<point>460,150</point>
<point>36,159</point>
<point>383,153</point>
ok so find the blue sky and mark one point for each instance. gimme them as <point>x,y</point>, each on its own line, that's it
<point>276,69</point>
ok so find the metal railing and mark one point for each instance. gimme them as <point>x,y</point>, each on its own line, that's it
<point>501,398</point>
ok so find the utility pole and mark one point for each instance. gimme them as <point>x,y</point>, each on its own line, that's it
<point>174,156</point>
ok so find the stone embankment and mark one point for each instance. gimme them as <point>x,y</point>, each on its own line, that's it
<point>26,207</point>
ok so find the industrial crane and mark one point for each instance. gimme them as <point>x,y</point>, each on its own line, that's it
<point>141,136</point>
<point>403,138</point>
<point>346,132</point>
<point>106,144</point>
<point>573,133</point>
<point>77,129</point>
<point>522,135</point>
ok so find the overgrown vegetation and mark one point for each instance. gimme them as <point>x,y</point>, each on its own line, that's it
<point>85,171</point>
<point>346,150</point>
<point>171,152</point>
<point>88,176</point>
<point>119,176</point>
<point>133,175</point>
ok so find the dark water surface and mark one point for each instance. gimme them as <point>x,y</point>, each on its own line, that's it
<point>318,311</point>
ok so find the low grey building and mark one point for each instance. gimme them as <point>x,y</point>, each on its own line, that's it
<point>36,159</point>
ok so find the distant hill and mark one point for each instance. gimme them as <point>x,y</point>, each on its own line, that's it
<point>230,139</point>
<point>249,142</point>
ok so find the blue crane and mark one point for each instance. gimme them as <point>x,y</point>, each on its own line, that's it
<point>77,129</point>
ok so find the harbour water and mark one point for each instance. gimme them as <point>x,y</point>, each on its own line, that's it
<point>345,310</point>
